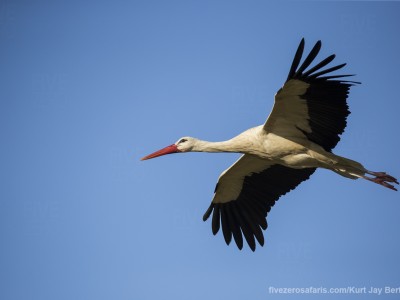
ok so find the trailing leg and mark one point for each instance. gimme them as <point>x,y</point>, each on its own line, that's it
<point>381,178</point>
<point>353,169</point>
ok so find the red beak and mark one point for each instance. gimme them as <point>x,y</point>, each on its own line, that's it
<point>167,150</point>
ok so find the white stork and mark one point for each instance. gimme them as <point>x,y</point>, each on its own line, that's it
<point>306,121</point>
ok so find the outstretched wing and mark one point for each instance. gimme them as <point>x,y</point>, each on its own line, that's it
<point>245,194</point>
<point>310,105</point>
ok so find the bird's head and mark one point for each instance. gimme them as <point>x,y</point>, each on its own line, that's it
<point>184,144</point>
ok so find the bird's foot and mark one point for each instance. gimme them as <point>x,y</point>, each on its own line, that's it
<point>383,179</point>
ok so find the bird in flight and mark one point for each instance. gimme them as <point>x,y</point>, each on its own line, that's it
<point>305,124</point>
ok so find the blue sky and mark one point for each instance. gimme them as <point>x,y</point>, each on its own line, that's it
<point>87,89</point>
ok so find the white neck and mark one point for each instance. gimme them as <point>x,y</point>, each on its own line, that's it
<point>233,145</point>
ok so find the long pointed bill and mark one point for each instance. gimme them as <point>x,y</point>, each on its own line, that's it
<point>167,150</point>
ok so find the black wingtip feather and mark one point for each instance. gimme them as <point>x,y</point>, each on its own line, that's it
<point>315,75</point>
<point>216,219</point>
<point>320,65</point>
<point>234,223</point>
<point>208,212</point>
<point>245,227</point>
<point>349,82</point>
<point>311,56</point>
<point>251,219</point>
<point>255,210</point>
<point>226,227</point>
<point>296,59</point>
<point>255,219</point>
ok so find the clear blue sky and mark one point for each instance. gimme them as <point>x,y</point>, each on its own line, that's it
<point>87,89</point>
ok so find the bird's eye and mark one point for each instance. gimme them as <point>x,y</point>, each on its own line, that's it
<point>182,141</point>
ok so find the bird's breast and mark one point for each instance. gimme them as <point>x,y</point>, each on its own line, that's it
<point>276,147</point>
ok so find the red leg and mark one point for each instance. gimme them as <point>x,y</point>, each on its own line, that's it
<point>383,179</point>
